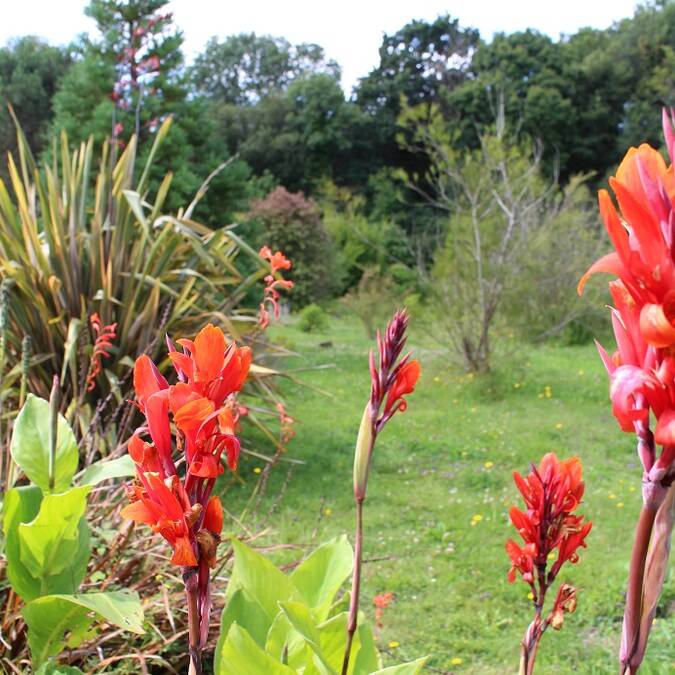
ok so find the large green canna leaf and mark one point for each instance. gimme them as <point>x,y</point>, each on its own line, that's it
<point>21,505</point>
<point>59,621</point>
<point>245,611</point>
<point>261,580</point>
<point>54,547</point>
<point>114,468</point>
<point>299,616</point>
<point>241,654</point>
<point>30,446</point>
<point>320,576</point>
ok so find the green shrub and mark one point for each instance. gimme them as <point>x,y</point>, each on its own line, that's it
<point>84,235</point>
<point>292,223</point>
<point>312,319</point>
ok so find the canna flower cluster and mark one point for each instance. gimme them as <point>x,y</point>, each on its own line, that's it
<point>381,602</point>
<point>103,341</point>
<point>189,429</point>
<point>273,282</point>
<point>391,379</point>
<point>202,409</point>
<point>552,492</point>
<point>642,369</point>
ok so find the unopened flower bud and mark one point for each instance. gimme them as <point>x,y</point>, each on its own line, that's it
<point>364,448</point>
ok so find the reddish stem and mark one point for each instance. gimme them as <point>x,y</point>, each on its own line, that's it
<point>356,585</point>
<point>633,610</point>
<point>191,581</point>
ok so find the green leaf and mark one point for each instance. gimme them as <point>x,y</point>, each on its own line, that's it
<point>333,639</point>
<point>54,546</point>
<point>263,582</point>
<point>319,577</point>
<point>57,621</point>
<point>411,668</point>
<point>21,505</point>
<point>247,613</point>
<point>300,618</point>
<point>114,468</point>
<point>30,446</point>
<point>282,639</point>
<point>241,654</point>
<point>367,657</point>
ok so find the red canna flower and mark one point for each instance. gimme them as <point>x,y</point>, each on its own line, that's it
<point>164,509</point>
<point>642,370</point>
<point>273,282</point>
<point>551,492</point>
<point>391,378</point>
<point>643,235</point>
<point>381,603</point>
<point>104,337</point>
<point>196,418</point>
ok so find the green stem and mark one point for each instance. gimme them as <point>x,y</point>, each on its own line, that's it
<point>53,430</point>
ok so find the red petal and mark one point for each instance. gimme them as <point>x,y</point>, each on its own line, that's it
<point>213,519</point>
<point>183,554</point>
<point>209,354</point>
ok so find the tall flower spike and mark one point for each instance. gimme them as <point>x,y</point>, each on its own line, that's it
<point>391,378</point>
<point>642,370</point>
<point>104,337</point>
<point>273,282</point>
<point>552,492</point>
<point>202,411</point>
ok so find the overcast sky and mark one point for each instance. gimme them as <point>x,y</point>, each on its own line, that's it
<point>349,30</point>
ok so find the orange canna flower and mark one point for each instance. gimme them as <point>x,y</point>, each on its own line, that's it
<point>164,508</point>
<point>551,493</point>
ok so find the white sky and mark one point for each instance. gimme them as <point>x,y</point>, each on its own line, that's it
<point>349,30</point>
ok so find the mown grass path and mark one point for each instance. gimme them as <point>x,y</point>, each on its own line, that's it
<point>436,513</point>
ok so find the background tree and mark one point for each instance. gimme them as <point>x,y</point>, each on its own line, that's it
<point>497,205</point>
<point>128,81</point>
<point>30,72</point>
<point>417,63</point>
<point>243,69</point>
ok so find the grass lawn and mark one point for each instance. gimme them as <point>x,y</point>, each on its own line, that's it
<point>440,489</point>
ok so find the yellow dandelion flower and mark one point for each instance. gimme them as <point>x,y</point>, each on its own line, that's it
<point>257,470</point>
<point>488,465</point>
<point>530,596</point>
<point>456,661</point>
<point>559,425</point>
<point>394,644</point>
<point>612,496</point>
<point>619,505</point>
<point>327,511</point>
<point>551,556</point>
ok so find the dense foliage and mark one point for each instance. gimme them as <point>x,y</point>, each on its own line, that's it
<point>273,117</point>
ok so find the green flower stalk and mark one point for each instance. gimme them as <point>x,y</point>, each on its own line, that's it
<point>391,379</point>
